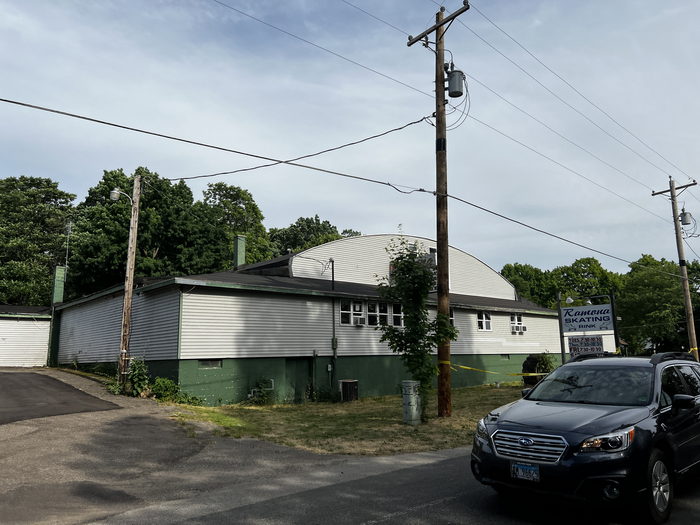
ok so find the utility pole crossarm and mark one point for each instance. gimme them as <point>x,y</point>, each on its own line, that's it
<point>655,193</point>
<point>413,39</point>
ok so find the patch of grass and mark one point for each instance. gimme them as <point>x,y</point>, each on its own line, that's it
<point>372,426</point>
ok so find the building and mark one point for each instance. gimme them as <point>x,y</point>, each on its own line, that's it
<point>24,335</point>
<point>300,323</point>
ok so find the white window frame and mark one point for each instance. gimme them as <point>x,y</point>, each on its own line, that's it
<point>516,323</point>
<point>351,310</point>
<point>483,321</point>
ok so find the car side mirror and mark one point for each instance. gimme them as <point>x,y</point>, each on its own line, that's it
<point>683,401</point>
<point>525,391</point>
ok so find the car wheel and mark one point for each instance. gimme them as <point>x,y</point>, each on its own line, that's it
<point>659,489</point>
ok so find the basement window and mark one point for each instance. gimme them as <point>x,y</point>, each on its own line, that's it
<point>210,363</point>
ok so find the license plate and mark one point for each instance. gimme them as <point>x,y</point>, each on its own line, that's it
<point>525,471</point>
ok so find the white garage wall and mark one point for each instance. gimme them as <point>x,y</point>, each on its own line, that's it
<point>24,341</point>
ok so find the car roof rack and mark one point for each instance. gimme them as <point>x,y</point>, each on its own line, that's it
<point>668,356</point>
<point>584,357</point>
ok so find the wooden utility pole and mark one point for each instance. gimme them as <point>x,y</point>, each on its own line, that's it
<point>129,283</point>
<point>690,319</point>
<point>443,263</point>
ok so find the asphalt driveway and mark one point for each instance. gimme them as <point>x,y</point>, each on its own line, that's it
<point>31,395</point>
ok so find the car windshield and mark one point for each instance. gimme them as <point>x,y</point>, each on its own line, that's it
<point>628,386</point>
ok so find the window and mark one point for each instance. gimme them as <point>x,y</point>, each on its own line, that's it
<point>691,380</point>
<point>671,384</point>
<point>352,312</point>
<point>483,321</point>
<point>209,363</point>
<point>516,323</point>
<point>397,315</point>
<point>452,316</point>
<point>377,314</point>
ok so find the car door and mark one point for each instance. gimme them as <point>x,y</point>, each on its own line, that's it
<point>681,424</point>
<point>691,376</point>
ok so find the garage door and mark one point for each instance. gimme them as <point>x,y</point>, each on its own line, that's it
<point>24,341</point>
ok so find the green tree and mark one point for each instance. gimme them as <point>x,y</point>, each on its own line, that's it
<point>176,236</point>
<point>236,211</point>
<point>33,226</point>
<point>306,233</point>
<point>651,307</point>
<point>412,277</point>
<point>586,277</point>
<point>532,283</point>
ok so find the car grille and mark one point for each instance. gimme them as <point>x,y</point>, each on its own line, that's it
<point>531,447</point>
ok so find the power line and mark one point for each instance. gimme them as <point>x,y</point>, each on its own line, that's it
<point>541,123</point>
<point>330,172</point>
<point>354,143</point>
<point>559,98</point>
<point>205,145</point>
<point>584,97</point>
<point>570,170</point>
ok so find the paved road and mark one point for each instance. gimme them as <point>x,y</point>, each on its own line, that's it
<point>137,465</point>
<point>31,395</point>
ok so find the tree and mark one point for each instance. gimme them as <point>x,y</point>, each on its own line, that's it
<point>532,283</point>
<point>176,236</point>
<point>33,225</point>
<point>651,307</point>
<point>412,277</point>
<point>306,233</point>
<point>236,211</point>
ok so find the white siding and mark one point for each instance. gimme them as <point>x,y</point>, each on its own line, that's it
<point>364,259</point>
<point>90,331</point>
<point>24,342</point>
<point>221,325</point>
<point>542,335</point>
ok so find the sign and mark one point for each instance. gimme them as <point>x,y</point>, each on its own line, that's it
<point>587,344</point>
<point>589,318</point>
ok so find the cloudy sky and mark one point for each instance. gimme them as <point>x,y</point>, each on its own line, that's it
<point>287,78</point>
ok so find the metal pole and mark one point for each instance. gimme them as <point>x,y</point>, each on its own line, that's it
<point>129,283</point>
<point>684,273</point>
<point>443,264</point>
<point>561,330</point>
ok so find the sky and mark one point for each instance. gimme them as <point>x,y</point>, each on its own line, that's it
<point>282,79</point>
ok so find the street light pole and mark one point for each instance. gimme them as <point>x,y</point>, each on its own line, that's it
<point>123,366</point>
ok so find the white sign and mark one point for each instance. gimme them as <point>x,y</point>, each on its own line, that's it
<point>586,345</point>
<point>589,318</point>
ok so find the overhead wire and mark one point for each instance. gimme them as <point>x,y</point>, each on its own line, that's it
<point>329,172</point>
<point>559,98</point>
<point>578,92</point>
<point>328,150</point>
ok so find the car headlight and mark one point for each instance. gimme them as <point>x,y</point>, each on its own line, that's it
<point>481,430</point>
<point>613,442</point>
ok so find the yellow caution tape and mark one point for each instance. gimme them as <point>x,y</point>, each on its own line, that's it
<point>452,366</point>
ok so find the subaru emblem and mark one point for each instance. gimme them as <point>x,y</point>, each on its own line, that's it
<point>526,442</point>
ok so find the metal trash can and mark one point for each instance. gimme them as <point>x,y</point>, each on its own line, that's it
<point>411,402</point>
<point>349,389</point>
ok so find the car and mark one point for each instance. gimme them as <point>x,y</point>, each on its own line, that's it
<point>605,428</point>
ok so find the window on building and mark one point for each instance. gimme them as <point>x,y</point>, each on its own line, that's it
<point>396,315</point>
<point>209,363</point>
<point>483,321</point>
<point>352,313</point>
<point>516,323</point>
<point>377,314</point>
<point>452,316</point>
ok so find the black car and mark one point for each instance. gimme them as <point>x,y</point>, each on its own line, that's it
<point>612,428</point>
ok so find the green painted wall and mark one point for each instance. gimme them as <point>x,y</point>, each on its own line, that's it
<point>295,378</point>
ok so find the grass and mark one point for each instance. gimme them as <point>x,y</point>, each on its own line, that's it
<point>372,426</point>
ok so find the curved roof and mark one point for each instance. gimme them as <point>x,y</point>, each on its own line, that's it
<point>365,260</point>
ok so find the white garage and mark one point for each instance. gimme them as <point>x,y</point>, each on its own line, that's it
<point>24,335</point>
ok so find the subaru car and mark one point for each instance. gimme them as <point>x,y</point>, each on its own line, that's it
<point>606,428</point>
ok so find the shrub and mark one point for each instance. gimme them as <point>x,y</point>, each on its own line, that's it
<point>537,363</point>
<point>165,389</point>
<point>138,377</point>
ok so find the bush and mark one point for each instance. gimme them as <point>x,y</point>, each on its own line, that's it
<point>165,389</point>
<point>138,378</point>
<point>537,363</point>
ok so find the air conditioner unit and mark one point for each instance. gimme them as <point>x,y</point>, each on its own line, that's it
<point>515,328</point>
<point>359,321</point>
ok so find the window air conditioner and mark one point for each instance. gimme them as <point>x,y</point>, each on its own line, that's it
<point>359,321</point>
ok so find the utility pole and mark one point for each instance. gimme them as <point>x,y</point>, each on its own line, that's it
<point>443,264</point>
<point>129,282</point>
<point>690,320</point>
